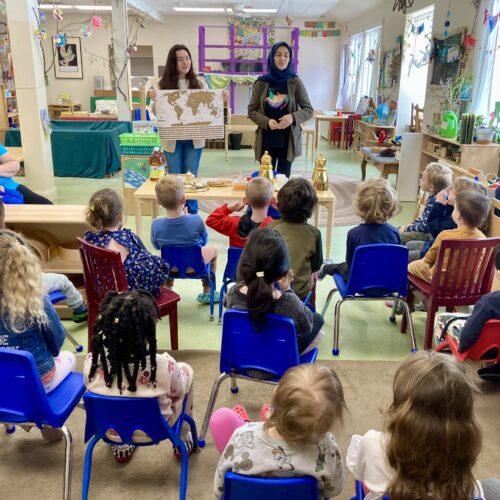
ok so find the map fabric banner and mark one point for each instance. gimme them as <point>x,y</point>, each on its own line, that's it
<point>190,114</point>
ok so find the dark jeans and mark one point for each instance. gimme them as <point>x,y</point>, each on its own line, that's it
<point>304,340</point>
<point>280,163</point>
<point>31,198</point>
<point>342,269</point>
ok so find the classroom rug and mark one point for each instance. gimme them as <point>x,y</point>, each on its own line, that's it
<point>343,188</point>
<point>31,468</point>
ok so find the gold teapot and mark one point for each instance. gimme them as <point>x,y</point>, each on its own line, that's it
<point>266,167</point>
<point>320,176</point>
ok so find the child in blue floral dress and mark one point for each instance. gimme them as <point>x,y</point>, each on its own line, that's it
<point>143,270</point>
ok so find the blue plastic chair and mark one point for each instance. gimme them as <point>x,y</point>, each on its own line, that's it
<point>239,487</point>
<point>272,350</point>
<point>233,257</point>
<point>23,401</point>
<point>190,265</point>
<point>58,296</point>
<point>126,415</point>
<point>378,272</point>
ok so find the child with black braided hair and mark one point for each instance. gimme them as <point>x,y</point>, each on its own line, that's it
<point>125,361</point>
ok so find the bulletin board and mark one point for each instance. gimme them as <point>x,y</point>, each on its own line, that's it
<point>447,57</point>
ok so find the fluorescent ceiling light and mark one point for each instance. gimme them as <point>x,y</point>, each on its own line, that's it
<point>51,6</point>
<point>93,7</point>
<point>260,11</point>
<point>201,9</point>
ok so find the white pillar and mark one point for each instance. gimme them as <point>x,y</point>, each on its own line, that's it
<point>120,46</point>
<point>31,96</point>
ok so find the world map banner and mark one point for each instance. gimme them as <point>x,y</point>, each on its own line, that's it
<point>190,114</point>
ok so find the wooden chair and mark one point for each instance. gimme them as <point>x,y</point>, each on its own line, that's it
<point>309,130</point>
<point>417,117</point>
<point>103,272</point>
<point>463,274</point>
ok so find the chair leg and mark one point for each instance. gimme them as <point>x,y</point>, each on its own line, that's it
<point>174,329</point>
<point>210,406</point>
<point>212,294</point>
<point>429,325</point>
<point>327,303</point>
<point>184,470</point>
<point>194,432</point>
<point>336,325</point>
<point>222,292</point>
<point>68,462</point>
<point>407,314</point>
<point>363,169</point>
<point>87,468</point>
<point>234,385</point>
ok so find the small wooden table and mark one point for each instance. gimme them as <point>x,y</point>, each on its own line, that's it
<point>342,119</point>
<point>17,153</point>
<point>146,193</point>
<point>385,164</point>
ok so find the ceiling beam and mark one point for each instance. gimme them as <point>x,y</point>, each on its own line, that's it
<point>143,7</point>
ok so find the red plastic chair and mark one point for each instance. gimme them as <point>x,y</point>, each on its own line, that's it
<point>489,339</point>
<point>348,131</point>
<point>463,274</point>
<point>103,272</point>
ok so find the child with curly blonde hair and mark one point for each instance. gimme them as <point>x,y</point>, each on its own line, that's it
<point>296,439</point>
<point>375,202</point>
<point>28,321</point>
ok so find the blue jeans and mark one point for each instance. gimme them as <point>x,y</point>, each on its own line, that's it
<point>185,158</point>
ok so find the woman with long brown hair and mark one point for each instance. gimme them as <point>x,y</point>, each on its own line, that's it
<point>431,440</point>
<point>182,155</point>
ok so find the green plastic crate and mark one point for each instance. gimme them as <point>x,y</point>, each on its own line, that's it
<point>136,150</point>
<point>139,140</point>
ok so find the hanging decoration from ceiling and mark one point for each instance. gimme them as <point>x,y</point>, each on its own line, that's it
<point>447,23</point>
<point>41,17</point>
<point>402,5</point>
<point>58,14</point>
<point>96,21</point>
<point>86,31</point>
<point>59,39</point>
<point>40,34</point>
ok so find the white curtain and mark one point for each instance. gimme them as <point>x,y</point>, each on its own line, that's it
<point>343,97</point>
<point>483,60</point>
<point>356,55</point>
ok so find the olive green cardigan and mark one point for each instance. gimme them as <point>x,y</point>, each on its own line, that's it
<point>298,105</point>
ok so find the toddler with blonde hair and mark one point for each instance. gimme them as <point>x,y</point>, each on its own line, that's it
<point>296,439</point>
<point>375,202</point>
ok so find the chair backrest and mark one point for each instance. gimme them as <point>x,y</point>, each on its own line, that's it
<point>22,398</point>
<point>185,262</point>
<point>417,117</point>
<point>272,349</point>
<point>125,416</point>
<point>488,339</point>
<point>464,269</point>
<point>379,270</point>
<point>239,487</point>
<point>103,272</point>
<point>233,257</point>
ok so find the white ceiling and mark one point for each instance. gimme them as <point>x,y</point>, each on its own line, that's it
<point>339,10</point>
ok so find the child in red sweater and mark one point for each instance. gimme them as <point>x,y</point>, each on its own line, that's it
<point>258,194</point>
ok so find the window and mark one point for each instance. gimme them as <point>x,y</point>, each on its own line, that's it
<point>362,67</point>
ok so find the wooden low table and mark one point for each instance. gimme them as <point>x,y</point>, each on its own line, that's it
<point>386,164</point>
<point>146,193</point>
<point>342,119</point>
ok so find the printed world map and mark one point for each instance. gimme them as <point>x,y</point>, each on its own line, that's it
<point>189,107</point>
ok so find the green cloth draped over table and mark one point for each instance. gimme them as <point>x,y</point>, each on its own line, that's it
<point>82,148</point>
<point>222,81</point>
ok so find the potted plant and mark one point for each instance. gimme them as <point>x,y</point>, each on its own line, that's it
<point>486,134</point>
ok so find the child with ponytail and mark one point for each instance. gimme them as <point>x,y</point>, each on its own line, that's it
<point>263,288</point>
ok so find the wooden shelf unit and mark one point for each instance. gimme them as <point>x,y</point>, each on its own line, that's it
<point>9,117</point>
<point>365,135</point>
<point>484,157</point>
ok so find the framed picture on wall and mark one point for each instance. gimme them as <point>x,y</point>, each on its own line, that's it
<point>447,56</point>
<point>68,60</point>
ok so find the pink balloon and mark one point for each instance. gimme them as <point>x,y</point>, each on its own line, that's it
<point>96,21</point>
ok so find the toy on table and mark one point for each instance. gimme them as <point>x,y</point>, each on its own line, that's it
<point>157,164</point>
<point>320,177</point>
<point>266,167</point>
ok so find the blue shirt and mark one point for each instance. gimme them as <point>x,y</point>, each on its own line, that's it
<point>183,231</point>
<point>7,182</point>
<point>43,341</point>
<point>370,234</point>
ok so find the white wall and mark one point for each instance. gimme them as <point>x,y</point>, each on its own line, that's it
<point>462,14</point>
<point>318,57</point>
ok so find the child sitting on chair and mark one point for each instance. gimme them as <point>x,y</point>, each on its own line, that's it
<point>432,438</point>
<point>296,439</point>
<point>375,202</point>
<point>59,282</point>
<point>143,270</point>
<point>435,178</point>
<point>263,288</point>
<point>179,228</point>
<point>468,329</point>
<point>296,201</point>
<point>28,321</point>
<point>258,194</point>
<point>125,362</point>
<point>470,211</point>
<point>440,217</point>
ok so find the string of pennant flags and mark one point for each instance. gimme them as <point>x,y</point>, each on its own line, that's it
<point>319,33</point>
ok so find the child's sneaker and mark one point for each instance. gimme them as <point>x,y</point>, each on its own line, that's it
<point>204,298</point>
<point>321,273</point>
<point>123,453</point>
<point>241,412</point>
<point>265,412</point>
<point>80,314</point>
<point>188,442</point>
